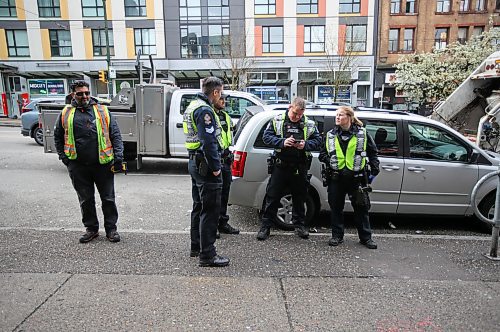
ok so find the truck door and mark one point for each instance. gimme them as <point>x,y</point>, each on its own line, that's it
<point>178,106</point>
<point>151,114</point>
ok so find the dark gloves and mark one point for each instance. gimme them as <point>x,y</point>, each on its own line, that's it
<point>117,166</point>
<point>65,161</point>
<point>374,171</point>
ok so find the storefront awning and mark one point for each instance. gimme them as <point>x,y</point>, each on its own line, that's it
<point>270,82</point>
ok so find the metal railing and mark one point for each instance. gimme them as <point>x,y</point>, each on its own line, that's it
<point>495,223</point>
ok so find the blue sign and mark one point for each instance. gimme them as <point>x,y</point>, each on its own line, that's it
<point>344,92</point>
<point>325,91</point>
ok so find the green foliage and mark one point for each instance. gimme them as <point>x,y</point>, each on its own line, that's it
<point>429,77</point>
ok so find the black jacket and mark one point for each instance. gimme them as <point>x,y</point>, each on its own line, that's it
<point>85,132</point>
<point>371,148</point>
<point>207,128</point>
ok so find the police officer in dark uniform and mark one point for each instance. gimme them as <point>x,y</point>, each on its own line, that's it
<point>226,161</point>
<point>346,148</point>
<point>204,143</point>
<point>293,137</point>
<point>89,143</point>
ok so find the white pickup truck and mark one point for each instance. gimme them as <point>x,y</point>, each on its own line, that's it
<point>150,119</point>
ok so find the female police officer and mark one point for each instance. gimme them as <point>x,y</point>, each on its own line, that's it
<point>344,152</point>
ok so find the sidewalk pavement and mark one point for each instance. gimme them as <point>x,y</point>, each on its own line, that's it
<point>48,281</point>
<point>8,122</point>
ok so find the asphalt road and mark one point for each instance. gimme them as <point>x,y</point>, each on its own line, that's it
<point>428,273</point>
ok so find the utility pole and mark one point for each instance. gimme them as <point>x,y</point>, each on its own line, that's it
<point>108,57</point>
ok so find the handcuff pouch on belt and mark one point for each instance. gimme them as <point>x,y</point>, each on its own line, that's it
<point>361,198</point>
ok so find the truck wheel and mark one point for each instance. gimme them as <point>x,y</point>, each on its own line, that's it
<point>283,218</point>
<point>487,209</point>
<point>38,136</point>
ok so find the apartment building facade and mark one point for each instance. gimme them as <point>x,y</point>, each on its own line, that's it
<point>417,26</point>
<point>47,44</point>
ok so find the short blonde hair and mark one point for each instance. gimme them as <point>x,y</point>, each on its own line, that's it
<point>350,112</point>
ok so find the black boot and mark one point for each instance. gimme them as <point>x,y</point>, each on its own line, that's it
<point>228,229</point>
<point>263,233</point>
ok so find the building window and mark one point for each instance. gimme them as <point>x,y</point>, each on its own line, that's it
<point>441,38</point>
<point>60,42</point>
<point>272,39</point>
<point>408,39</point>
<point>307,6</point>
<point>462,35</point>
<point>265,7</point>
<point>17,43</point>
<point>480,5</point>
<point>477,31</point>
<point>190,10</point>
<point>135,8</point>
<point>191,41</point>
<point>99,41</point>
<point>349,6</point>
<point>145,40</point>
<point>218,40</point>
<point>92,8</point>
<point>218,8</point>
<point>395,6</point>
<point>355,40</point>
<point>442,6</point>
<point>195,44</point>
<point>393,40</point>
<point>314,38</point>
<point>464,5</point>
<point>497,6</point>
<point>411,6</point>
<point>8,8</point>
<point>49,8</point>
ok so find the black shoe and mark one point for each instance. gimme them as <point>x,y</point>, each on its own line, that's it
<point>89,236</point>
<point>335,241</point>
<point>217,235</point>
<point>113,236</point>
<point>228,229</point>
<point>263,233</point>
<point>302,232</point>
<point>216,261</point>
<point>194,253</point>
<point>370,244</point>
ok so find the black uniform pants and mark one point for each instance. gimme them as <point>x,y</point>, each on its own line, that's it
<point>84,177</point>
<point>337,191</point>
<point>206,193</point>
<point>227,178</point>
<point>284,179</point>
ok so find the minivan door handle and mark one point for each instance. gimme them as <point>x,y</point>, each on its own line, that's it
<point>178,125</point>
<point>390,168</point>
<point>417,169</point>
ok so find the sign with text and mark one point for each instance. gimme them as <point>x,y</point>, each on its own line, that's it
<point>46,87</point>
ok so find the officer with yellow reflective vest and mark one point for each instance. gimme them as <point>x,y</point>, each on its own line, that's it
<point>226,161</point>
<point>89,143</point>
<point>205,144</point>
<point>293,137</point>
<point>345,152</point>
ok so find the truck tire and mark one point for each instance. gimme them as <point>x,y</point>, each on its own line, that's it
<point>283,219</point>
<point>38,135</point>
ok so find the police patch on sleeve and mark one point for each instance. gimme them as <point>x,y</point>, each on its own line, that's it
<point>210,130</point>
<point>207,119</point>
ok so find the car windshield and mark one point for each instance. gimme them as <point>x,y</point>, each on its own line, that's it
<point>31,104</point>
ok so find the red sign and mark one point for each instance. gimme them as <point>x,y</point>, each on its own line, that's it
<point>4,104</point>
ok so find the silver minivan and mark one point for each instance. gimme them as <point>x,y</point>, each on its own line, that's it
<point>426,168</point>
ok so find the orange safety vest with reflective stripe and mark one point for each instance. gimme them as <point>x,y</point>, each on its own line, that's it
<point>105,147</point>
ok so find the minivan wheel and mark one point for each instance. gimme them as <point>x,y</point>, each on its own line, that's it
<point>38,136</point>
<point>487,209</point>
<point>283,218</point>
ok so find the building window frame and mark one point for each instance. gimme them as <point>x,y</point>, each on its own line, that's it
<point>189,12</point>
<point>411,7</point>
<point>58,45</point>
<point>481,5</point>
<point>268,43</point>
<point>137,9</point>
<point>352,43</point>
<point>8,8</point>
<point>311,40</point>
<point>222,42</point>
<point>395,7</point>
<point>307,7</point>
<point>265,7</point>
<point>92,8</point>
<point>349,6</point>
<point>15,47</point>
<point>464,6</point>
<point>443,6</point>
<point>218,9</point>
<point>409,43</point>
<point>440,42</point>
<point>99,42</point>
<point>46,9</point>
<point>139,40</point>
<point>393,41</point>
<point>477,31</point>
<point>462,39</point>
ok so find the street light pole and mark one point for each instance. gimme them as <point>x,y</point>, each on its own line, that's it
<point>108,58</point>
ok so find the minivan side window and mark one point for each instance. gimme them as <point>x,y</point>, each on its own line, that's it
<point>385,135</point>
<point>428,142</point>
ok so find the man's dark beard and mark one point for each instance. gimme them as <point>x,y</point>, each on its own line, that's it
<point>81,103</point>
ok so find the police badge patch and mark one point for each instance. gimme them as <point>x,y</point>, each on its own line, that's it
<point>208,119</point>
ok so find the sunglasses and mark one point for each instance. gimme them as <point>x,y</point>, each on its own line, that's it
<point>81,93</point>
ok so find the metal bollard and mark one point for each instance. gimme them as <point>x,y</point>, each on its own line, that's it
<point>496,216</point>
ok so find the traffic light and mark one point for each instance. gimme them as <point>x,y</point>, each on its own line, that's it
<point>102,76</point>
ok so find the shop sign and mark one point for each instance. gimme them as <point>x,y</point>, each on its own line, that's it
<point>46,87</point>
<point>344,92</point>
